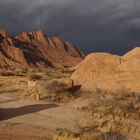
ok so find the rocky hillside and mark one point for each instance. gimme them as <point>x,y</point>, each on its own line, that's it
<point>35,49</point>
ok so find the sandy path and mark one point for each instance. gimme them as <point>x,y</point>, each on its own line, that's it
<point>26,119</point>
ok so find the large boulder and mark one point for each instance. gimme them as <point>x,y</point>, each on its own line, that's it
<point>135,53</point>
<point>101,72</point>
<point>95,66</point>
<point>115,83</point>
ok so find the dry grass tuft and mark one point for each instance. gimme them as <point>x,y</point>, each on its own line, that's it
<point>5,73</point>
<point>57,93</point>
<point>113,112</point>
<point>35,77</point>
<point>64,134</point>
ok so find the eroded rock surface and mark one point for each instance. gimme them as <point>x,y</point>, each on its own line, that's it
<point>35,49</point>
<point>109,73</point>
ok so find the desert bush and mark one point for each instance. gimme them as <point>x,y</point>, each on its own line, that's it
<point>54,86</point>
<point>58,73</point>
<point>65,134</point>
<point>113,136</point>
<point>12,72</point>
<point>122,103</point>
<point>113,111</point>
<point>35,77</point>
<point>91,134</point>
<point>56,90</point>
<point>6,73</point>
<point>32,70</point>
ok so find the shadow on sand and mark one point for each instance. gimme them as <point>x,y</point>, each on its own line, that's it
<point>8,113</point>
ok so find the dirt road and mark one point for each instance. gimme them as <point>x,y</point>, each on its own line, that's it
<point>34,120</point>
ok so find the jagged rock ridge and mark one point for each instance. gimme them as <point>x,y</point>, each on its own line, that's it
<point>35,49</point>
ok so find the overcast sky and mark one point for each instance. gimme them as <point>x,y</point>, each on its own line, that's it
<point>93,25</point>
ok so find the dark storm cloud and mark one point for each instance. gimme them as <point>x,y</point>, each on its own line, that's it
<point>94,25</point>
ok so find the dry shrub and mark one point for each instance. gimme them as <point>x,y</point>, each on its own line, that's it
<point>6,73</point>
<point>64,134</point>
<point>121,104</point>
<point>12,72</point>
<point>114,112</point>
<point>58,73</point>
<point>65,137</point>
<point>56,91</point>
<point>55,86</point>
<point>90,135</point>
<point>113,136</point>
<point>35,77</point>
<point>32,70</point>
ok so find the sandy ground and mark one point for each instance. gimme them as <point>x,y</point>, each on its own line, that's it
<point>24,119</point>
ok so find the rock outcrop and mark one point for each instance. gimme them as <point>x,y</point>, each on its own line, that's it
<point>95,66</point>
<point>135,53</point>
<point>35,49</point>
<point>109,73</point>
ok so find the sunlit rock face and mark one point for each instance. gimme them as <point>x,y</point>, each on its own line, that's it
<point>35,49</point>
<point>109,73</point>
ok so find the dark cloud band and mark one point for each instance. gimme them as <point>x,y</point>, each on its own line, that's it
<point>93,25</point>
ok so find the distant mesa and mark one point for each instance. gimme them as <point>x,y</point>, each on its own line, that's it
<point>35,49</point>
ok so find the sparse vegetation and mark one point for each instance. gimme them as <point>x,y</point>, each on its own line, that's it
<point>64,134</point>
<point>56,91</point>
<point>113,112</point>
<point>52,92</point>
<point>111,115</point>
<point>4,73</point>
<point>35,77</point>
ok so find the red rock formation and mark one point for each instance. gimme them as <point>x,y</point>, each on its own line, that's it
<point>3,33</point>
<point>35,49</point>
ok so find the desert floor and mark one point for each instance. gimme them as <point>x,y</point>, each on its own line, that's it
<point>27,119</point>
